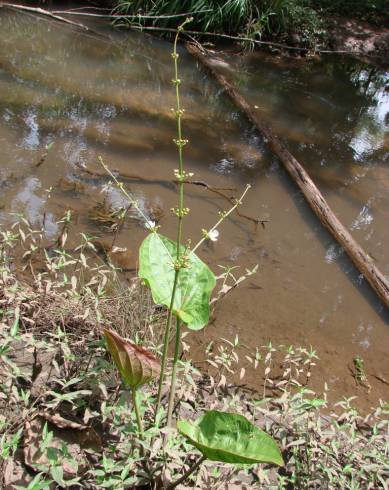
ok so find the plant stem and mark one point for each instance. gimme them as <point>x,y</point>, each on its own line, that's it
<point>223,217</point>
<point>180,215</point>
<point>135,402</point>
<point>176,82</point>
<point>174,373</point>
<point>166,344</point>
<point>187,473</point>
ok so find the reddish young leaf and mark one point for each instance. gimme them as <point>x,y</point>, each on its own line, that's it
<point>136,365</point>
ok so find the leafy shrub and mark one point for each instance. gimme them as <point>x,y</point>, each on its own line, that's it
<point>299,21</point>
<point>293,18</point>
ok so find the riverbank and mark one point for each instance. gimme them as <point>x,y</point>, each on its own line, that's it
<point>66,419</point>
<point>347,26</point>
<point>295,29</point>
<point>369,42</point>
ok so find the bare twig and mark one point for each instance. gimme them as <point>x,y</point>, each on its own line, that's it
<point>187,473</point>
<point>240,38</point>
<point>43,12</point>
<point>125,16</point>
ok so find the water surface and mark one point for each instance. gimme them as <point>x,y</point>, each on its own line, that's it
<point>108,94</point>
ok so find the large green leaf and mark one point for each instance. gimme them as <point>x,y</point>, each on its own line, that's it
<point>194,286</point>
<point>230,438</point>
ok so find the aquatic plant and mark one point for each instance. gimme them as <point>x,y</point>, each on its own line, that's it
<point>183,283</point>
<point>55,377</point>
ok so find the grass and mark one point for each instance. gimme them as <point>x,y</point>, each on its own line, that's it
<point>66,420</point>
<point>300,22</point>
<point>247,18</point>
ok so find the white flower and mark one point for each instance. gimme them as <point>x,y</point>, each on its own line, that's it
<point>213,235</point>
<point>149,224</point>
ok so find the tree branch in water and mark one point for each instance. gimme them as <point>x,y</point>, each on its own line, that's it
<point>216,190</point>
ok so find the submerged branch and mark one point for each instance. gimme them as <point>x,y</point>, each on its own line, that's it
<point>201,183</point>
<point>230,199</point>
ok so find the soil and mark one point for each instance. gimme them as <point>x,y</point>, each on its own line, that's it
<point>359,38</point>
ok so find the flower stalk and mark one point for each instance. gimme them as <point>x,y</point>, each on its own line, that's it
<point>172,393</point>
<point>180,256</point>
<point>211,232</point>
<point>166,345</point>
<point>180,212</point>
<point>135,401</point>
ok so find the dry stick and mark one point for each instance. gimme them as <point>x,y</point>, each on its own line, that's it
<point>187,473</point>
<point>239,38</point>
<point>363,262</point>
<point>128,16</point>
<point>43,12</point>
<point>257,42</point>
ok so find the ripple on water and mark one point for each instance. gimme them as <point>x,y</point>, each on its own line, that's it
<point>364,218</point>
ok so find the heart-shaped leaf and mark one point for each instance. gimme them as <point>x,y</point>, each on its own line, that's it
<point>230,438</point>
<point>136,365</point>
<point>194,286</point>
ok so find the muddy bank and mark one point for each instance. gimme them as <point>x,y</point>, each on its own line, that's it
<point>367,41</point>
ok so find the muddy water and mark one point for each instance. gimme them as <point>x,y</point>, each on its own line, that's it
<point>108,94</point>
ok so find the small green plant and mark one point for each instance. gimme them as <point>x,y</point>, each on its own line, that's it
<point>183,283</point>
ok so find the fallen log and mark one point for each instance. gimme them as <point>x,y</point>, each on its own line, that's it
<point>362,261</point>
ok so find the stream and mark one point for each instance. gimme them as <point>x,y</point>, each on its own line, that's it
<point>108,93</point>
